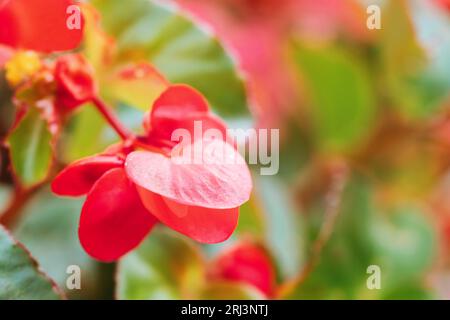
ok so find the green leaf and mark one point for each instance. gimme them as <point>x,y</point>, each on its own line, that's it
<point>343,102</point>
<point>48,228</point>
<point>179,48</point>
<point>165,266</point>
<point>283,227</point>
<point>400,241</point>
<point>139,88</point>
<point>20,277</point>
<point>31,150</point>
<point>417,81</point>
<point>405,245</point>
<point>85,135</point>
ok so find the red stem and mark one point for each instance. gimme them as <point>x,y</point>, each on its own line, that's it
<point>121,130</point>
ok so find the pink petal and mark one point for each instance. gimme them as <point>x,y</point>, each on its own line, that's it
<point>219,180</point>
<point>113,220</point>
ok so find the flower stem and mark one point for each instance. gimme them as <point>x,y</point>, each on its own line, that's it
<point>11,215</point>
<point>112,119</point>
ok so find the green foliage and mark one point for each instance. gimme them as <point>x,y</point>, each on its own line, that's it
<point>283,232</point>
<point>400,241</point>
<point>20,277</point>
<point>343,101</point>
<point>178,47</point>
<point>31,149</point>
<point>48,229</point>
<point>415,79</point>
<point>164,266</point>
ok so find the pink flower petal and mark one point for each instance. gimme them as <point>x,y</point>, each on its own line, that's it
<point>220,178</point>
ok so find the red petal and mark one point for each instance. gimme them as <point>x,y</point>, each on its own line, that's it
<point>220,180</point>
<point>201,224</point>
<point>178,107</point>
<point>247,263</point>
<point>113,220</point>
<point>75,81</point>
<point>79,177</point>
<point>40,25</point>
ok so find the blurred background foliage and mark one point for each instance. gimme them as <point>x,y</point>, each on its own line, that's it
<point>364,122</point>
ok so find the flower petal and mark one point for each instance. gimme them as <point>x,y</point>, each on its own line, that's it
<point>245,262</point>
<point>79,177</point>
<point>5,54</point>
<point>201,224</point>
<point>113,220</point>
<point>177,108</point>
<point>40,25</point>
<point>208,173</point>
<point>75,81</point>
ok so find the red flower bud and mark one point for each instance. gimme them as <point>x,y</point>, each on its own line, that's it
<point>245,263</point>
<point>75,82</point>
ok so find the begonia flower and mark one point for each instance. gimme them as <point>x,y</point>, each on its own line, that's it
<point>131,187</point>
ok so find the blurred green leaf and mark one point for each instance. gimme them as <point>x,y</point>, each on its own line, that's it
<point>31,150</point>
<point>405,245</point>
<point>416,82</point>
<point>180,49</point>
<point>20,276</point>
<point>401,243</point>
<point>165,266</point>
<point>343,101</point>
<point>283,223</point>
<point>48,228</point>
<point>85,135</point>
<point>135,85</point>
<point>251,219</point>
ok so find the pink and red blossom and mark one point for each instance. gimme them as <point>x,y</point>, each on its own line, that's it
<point>129,190</point>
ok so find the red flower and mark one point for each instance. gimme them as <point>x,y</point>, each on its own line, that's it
<point>75,84</point>
<point>245,263</point>
<point>445,4</point>
<point>40,25</point>
<point>129,189</point>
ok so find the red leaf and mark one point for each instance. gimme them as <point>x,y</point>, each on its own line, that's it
<point>39,25</point>
<point>220,180</point>
<point>201,224</point>
<point>246,263</point>
<point>113,220</point>
<point>79,177</point>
